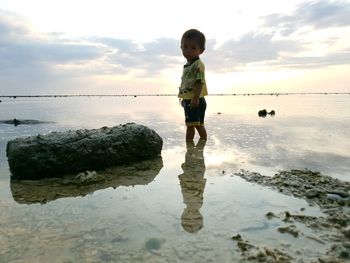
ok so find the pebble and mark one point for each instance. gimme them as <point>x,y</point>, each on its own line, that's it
<point>346,232</point>
<point>290,230</point>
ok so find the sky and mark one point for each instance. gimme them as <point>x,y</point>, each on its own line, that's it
<point>50,47</point>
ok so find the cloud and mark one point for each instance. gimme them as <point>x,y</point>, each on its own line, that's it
<point>253,47</point>
<point>32,62</point>
<point>149,57</point>
<point>341,57</point>
<point>317,14</point>
<point>304,39</point>
<point>20,47</point>
<point>12,25</point>
<point>54,58</point>
<point>35,61</point>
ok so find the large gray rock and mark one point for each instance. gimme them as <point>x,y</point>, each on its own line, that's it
<point>60,153</point>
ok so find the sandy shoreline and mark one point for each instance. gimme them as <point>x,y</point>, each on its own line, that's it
<point>333,198</point>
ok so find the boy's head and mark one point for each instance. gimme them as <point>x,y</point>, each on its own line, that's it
<point>194,34</point>
<point>192,44</point>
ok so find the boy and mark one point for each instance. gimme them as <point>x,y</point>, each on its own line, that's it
<point>193,86</point>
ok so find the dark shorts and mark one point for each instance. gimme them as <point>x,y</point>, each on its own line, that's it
<point>194,116</point>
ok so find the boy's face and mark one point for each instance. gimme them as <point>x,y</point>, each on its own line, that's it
<point>191,49</point>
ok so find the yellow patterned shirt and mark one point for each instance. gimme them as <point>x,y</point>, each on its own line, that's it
<point>192,72</point>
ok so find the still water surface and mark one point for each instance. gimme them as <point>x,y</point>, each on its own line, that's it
<point>185,206</point>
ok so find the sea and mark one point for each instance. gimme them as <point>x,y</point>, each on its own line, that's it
<point>186,205</point>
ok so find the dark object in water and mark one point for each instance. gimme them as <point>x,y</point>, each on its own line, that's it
<point>18,122</point>
<point>262,113</point>
<point>60,153</point>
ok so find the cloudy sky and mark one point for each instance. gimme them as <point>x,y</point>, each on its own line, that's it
<point>117,47</point>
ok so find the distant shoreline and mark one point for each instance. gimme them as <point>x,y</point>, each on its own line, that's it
<point>168,95</point>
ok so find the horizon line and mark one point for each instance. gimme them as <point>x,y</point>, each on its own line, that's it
<point>173,94</point>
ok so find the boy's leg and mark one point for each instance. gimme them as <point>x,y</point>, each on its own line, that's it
<point>191,119</point>
<point>202,132</point>
<point>200,128</point>
<point>190,133</point>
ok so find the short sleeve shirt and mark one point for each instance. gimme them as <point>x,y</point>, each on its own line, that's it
<point>192,72</point>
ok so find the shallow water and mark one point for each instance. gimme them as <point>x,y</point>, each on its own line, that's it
<point>155,211</point>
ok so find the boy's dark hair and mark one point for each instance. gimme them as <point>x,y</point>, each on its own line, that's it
<point>196,35</point>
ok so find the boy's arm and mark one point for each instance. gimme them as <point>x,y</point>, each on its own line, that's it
<point>196,94</point>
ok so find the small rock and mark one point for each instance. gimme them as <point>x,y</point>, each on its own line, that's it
<point>270,215</point>
<point>346,232</point>
<point>290,230</point>
<point>87,176</point>
<point>342,194</point>
<point>344,254</point>
<point>244,245</point>
<point>312,193</point>
<point>262,113</point>
<point>237,237</point>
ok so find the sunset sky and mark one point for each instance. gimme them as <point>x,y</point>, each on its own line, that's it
<point>118,47</point>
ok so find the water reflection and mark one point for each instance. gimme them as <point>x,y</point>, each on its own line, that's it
<point>192,183</point>
<point>46,190</point>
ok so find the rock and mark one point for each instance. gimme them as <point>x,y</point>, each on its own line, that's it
<point>270,215</point>
<point>87,176</point>
<point>262,113</point>
<point>340,193</point>
<point>346,232</point>
<point>254,253</point>
<point>18,122</point>
<point>312,193</point>
<point>244,245</point>
<point>330,194</point>
<point>335,197</point>
<point>237,237</point>
<point>291,229</point>
<point>60,153</point>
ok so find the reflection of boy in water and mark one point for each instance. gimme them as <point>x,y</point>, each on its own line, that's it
<point>192,183</point>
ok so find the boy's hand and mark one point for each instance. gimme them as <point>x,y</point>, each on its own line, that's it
<point>194,102</point>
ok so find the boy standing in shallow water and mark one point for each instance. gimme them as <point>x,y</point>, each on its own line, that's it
<point>193,86</point>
